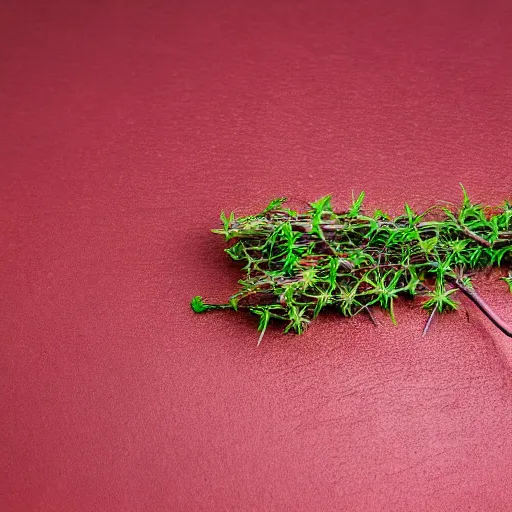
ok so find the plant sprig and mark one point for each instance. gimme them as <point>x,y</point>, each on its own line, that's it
<point>297,264</point>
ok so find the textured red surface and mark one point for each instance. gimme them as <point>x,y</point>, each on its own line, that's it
<point>127,127</point>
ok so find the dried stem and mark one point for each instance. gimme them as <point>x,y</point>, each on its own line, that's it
<point>485,308</point>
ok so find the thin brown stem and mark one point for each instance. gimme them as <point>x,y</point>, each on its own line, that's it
<point>476,237</point>
<point>485,308</point>
<point>372,317</point>
<point>429,321</point>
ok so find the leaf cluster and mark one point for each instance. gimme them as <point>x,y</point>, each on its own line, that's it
<point>297,264</point>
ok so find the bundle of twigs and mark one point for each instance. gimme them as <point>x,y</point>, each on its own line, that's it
<point>297,264</point>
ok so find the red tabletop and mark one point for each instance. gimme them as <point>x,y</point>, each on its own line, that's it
<point>127,127</point>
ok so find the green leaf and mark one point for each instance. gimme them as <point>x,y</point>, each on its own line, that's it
<point>236,251</point>
<point>498,255</point>
<point>413,281</point>
<point>359,257</point>
<point>477,252</point>
<point>459,245</point>
<point>466,201</point>
<point>309,277</point>
<point>374,227</point>
<point>450,215</point>
<point>334,264</point>
<point>410,214</point>
<point>466,281</point>
<point>320,304</point>
<point>234,303</point>
<point>288,234</point>
<point>198,305</point>
<point>289,292</point>
<point>380,215</point>
<point>356,205</point>
<point>322,205</point>
<point>318,209</point>
<point>275,204</point>
<point>428,244</point>
<point>227,221</point>
<point>264,314</point>
<point>298,321</point>
<point>289,262</point>
<point>493,224</point>
<point>441,298</point>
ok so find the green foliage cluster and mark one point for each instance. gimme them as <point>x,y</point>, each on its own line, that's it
<point>297,264</point>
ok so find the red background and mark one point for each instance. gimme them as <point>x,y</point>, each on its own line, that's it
<point>127,127</point>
